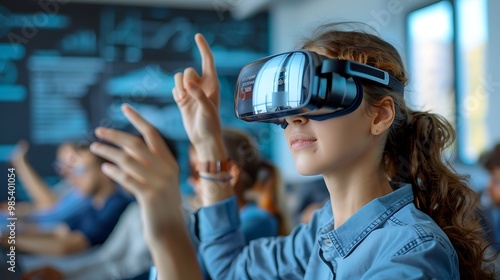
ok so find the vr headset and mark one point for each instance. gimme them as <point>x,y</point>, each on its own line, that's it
<point>303,83</point>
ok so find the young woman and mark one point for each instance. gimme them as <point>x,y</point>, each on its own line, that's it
<point>396,210</point>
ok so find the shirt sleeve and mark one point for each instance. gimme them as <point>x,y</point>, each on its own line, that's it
<point>226,256</point>
<point>419,259</point>
<point>257,223</point>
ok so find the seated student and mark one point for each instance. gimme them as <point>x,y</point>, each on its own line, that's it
<point>268,194</point>
<point>311,196</point>
<point>91,227</point>
<point>248,163</point>
<point>47,207</point>
<point>491,197</point>
<point>396,209</point>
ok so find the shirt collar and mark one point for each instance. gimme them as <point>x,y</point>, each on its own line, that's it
<point>371,216</point>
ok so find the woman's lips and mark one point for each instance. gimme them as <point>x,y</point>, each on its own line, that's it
<point>299,141</point>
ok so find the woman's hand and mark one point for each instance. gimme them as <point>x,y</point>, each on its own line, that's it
<point>147,169</point>
<point>198,100</point>
<point>150,172</point>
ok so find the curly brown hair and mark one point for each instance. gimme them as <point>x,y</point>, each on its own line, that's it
<point>414,147</point>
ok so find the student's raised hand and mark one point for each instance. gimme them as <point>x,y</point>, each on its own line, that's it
<point>198,100</point>
<point>145,168</point>
<point>19,154</point>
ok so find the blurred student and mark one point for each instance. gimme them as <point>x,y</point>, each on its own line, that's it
<point>310,197</point>
<point>254,182</point>
<point>42,196</point>
<point>49,205</point>
<point>491,197</point>
<point>90,228</point>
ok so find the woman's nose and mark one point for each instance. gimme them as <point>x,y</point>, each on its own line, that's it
<point>298,120</point>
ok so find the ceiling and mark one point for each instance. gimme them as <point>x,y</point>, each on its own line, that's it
<point>240,9</point>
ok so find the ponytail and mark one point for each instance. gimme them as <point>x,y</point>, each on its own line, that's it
<point>413,154</point>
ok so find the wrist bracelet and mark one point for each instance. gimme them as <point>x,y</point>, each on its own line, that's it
<point>217,180</point>
<point>214,166</point>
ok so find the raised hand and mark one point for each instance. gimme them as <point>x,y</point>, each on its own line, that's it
<point>150,172</point>
<point>19,154</point>
<point>146,168</point>
<point>198,100</point>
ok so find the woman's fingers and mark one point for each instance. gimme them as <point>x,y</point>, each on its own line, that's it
<point>179,91</point>
<point>152,137</point>
<point>190,75</point>
<point>122,178</point>
<point>197,93</point>
<point>207,58</point>
<point>125,161</point>
<point>132,144</point>
<point>209,82</point>
<point>187,89</point>
<point>179,83</point>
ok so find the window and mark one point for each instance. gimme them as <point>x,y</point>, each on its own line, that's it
<point>472,89</point>
<point>447,48</point>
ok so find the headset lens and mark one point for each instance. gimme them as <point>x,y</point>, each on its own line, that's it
<point>271,87</point>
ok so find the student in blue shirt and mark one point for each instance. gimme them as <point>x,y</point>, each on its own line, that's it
<point>90,227</point>
<point>257,219</point>
<point>396,210</point>
<point>491,196</point>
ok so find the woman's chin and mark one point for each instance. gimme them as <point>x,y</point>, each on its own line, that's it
<point>307,170</point>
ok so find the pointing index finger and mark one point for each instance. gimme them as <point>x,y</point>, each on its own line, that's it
<point>207,58</point>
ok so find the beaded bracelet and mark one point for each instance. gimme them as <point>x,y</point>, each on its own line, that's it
<point>217,180</point>
<point>214,166</point>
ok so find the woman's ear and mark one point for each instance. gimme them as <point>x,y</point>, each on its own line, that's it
<point>383,116</point>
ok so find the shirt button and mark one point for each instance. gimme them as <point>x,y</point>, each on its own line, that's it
<point>327,242</point>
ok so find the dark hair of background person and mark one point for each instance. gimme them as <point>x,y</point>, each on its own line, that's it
<point>491,159</point>
<point>256,173</point>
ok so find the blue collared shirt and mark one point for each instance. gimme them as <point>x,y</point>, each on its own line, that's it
<point>386,239</point>
<point>96,224</point>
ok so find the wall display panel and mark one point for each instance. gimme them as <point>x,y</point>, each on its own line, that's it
<point>66,68</point>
